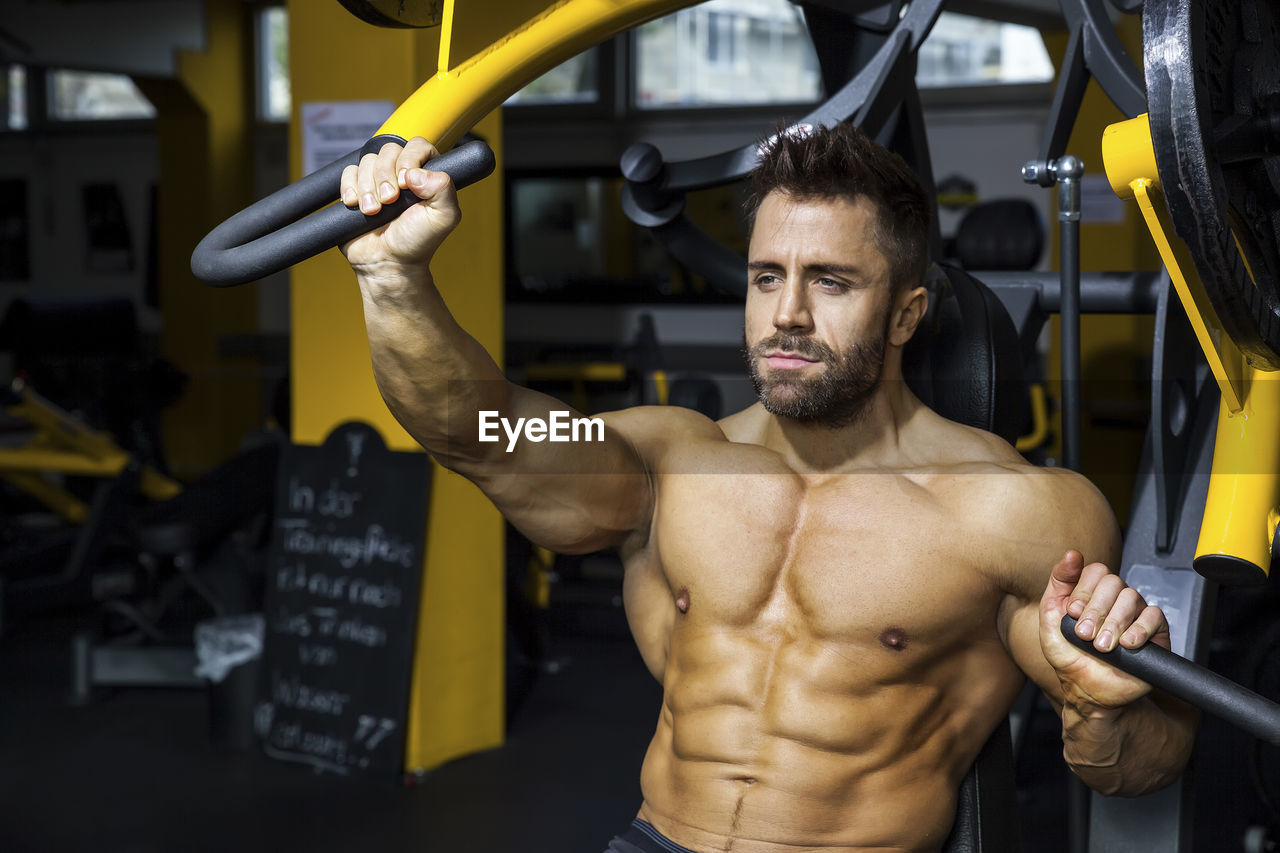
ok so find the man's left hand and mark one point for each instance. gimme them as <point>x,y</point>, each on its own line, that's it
<point>1109,612</point>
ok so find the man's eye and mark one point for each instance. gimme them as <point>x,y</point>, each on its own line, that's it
<point>766,280</point>
<point>832,284</point>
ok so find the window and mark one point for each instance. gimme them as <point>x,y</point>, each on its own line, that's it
<point>274,96</point>
<point>570,241</point>
<point>962,50</point>
<point>726,53</point>
<point>90,96</point>
<point>14,83</point>
<point>574,81</point>
<point>722,31</point>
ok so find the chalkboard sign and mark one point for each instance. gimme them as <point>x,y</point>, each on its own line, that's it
<point>342,602</point>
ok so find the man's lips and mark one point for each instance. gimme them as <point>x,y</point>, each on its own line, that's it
<point>788,360</point>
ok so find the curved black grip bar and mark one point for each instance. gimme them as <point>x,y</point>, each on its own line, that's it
<point>289,225</point>
<point>1191,683</point>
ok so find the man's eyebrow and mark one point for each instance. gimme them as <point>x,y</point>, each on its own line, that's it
<point>836,269</point>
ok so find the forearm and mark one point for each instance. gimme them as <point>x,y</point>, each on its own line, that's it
<point>1132,750</point>
<point>433,375</point>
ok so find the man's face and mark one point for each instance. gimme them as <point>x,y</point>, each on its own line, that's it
<point>818,308</point>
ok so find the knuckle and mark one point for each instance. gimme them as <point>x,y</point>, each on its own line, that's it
<point>1132,598</point>
<point>1111,585</point>
<point>1094,614</point>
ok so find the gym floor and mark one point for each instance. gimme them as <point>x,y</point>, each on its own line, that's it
<point>135,771</point>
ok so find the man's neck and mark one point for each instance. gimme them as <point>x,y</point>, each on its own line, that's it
<point>874,440</point>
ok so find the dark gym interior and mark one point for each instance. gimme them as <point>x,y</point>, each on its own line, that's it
<point>182,466</point>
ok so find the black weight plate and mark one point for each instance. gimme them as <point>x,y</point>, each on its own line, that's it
<point>1213,74</point>
<point>397,13</point>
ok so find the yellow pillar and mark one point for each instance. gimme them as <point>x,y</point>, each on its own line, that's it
<point>457,703</point>
<point>203,123</point>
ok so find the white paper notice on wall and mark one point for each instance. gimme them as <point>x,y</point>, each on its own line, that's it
<point>1099,205</point>
<point>330,129</point>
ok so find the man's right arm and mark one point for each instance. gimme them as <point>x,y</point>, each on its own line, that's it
<point>437,379</point>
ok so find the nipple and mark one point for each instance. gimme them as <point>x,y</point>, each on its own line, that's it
<point>894,638</point>
<point>682,600</point>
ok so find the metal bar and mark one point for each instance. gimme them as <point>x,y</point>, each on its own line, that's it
<point>1069,170</point>
<point>1105,56</point>
<point>1191,683</point>
<point>1100,292</point>
<point>1073,79</point>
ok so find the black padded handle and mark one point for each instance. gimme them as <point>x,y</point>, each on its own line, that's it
<point>1191,683</point>
<point>294,223</point>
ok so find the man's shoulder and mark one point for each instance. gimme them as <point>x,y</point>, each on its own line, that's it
<point>1024,491</point>
<point>649,426</point>
<point>994,471</point>
<point>999,489</point>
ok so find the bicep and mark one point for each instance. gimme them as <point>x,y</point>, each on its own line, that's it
<point>1020,629</point>
<point>1070,514</point>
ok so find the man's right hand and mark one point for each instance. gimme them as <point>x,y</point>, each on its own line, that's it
<point>406,244</point>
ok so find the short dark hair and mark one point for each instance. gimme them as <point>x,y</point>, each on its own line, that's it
<point>843,162</point>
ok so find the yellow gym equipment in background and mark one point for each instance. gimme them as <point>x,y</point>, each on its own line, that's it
<point>1240,515</point>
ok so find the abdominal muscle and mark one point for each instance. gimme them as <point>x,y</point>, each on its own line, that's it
<point>771,744</point>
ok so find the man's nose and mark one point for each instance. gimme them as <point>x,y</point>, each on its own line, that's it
<point>792,311</point>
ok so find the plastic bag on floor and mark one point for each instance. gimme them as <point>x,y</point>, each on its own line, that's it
<point>224,643</point>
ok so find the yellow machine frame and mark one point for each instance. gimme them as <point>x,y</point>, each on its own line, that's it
<point>450,103</point>
<point>1240,514</point>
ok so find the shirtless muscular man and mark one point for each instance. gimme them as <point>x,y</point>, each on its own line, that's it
<point>840,591</point>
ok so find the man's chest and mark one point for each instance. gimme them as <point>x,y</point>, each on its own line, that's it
<point>857,558</point>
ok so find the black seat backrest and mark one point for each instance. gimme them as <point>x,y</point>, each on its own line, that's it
<point>987,806</point>
<point>964,361</point>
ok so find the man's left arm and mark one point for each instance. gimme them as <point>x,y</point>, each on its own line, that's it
<point>1119,735</point>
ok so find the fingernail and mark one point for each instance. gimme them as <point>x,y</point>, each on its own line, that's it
<point>1129,638</point>
<point>349,197</point>
<point>1075,608</point>
<point>402,177</point>
<point>388,191</point>
<point>1105,640</point>
<point>368,203</point>
<point>1085,628</point>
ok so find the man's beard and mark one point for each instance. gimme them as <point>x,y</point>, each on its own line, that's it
<point>837,397</point>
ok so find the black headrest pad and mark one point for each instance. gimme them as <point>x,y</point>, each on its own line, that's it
<point>1002,234</point>
<point>964,361</point>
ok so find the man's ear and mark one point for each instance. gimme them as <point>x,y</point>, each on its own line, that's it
<point>908,310</point>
